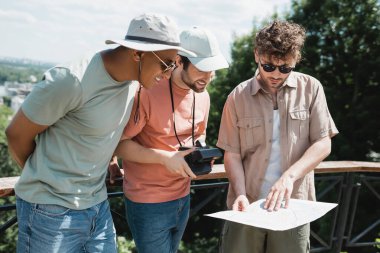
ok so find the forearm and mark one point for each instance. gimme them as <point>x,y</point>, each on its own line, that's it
<point>235,172</point>
<point>311,158</point>
<point>134,152</point>
<point>21,133</point>
<point>20,150</point>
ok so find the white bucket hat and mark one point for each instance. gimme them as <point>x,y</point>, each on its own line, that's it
<point>151,32</point>
<point>204,44</point>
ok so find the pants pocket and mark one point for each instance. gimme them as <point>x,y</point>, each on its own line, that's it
<point>51,210</point>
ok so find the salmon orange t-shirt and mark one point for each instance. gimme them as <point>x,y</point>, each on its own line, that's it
<point>153,183</point>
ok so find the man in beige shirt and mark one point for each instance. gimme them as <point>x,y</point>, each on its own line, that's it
<point>275,129</point>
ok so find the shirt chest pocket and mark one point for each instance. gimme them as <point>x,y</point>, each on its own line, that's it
<point>251,131</point>
<point>300,123</point>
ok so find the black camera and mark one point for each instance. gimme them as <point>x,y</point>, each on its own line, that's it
<point>200,159</point>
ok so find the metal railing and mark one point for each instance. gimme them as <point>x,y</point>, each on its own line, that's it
<point>344,183</point>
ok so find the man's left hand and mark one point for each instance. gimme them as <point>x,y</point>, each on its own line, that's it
<point>114,170</point>
<point>280,191</point>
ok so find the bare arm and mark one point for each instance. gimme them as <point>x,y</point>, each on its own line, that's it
<point>235,173</point>
<point>173,160</point>
<point>21,133</point>
<point>114,170</point>
<point>283,188</point>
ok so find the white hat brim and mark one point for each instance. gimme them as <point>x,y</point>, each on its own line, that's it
<point>148,46</point>
<point>209,63</point>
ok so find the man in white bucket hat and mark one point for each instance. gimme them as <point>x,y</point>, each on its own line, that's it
<point>172,114</point>
<point>66,131</point>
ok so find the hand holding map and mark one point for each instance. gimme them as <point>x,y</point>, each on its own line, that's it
<point>298,213</point>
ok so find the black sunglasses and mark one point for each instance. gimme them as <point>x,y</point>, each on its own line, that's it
<point>270,68</point>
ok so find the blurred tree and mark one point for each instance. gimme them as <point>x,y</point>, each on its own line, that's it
<point>20,74</point>
<point>7,168</point>
<point>342,50</point>
<point>242,67</point>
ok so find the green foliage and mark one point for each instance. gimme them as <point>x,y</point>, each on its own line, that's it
<point>241,68</point>
<point>200,226</point>
<point>8,238</point>
<point>5,114</point>
<point>21,70</point>
<point>203,245</point>
<point>343,51</point>
<point>7,168</point>
<point>125,246</point>
<point>7,101</point>
<point>19,74</point>
<point>198,245</point>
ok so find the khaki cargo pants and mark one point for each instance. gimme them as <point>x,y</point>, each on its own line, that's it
<point>238,238</point>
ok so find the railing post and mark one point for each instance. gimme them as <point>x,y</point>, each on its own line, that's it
<point>344,205</point>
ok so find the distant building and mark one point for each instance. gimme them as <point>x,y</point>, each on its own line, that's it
<point>16,92</point>
<point>3,91</point>
<point>16,102</point>
<point>15,88</point>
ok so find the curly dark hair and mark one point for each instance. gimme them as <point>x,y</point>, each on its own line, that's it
<point>280,40</point>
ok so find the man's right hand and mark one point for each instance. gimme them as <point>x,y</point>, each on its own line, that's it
<point>175,162</point>
<point>241,203</point>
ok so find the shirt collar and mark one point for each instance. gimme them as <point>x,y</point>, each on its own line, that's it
<point>255,85</point>
<point>291,81</point>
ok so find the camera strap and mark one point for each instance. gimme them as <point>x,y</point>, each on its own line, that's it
<point>173,111</point>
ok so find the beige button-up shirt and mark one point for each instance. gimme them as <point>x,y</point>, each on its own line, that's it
<point>247,125</point>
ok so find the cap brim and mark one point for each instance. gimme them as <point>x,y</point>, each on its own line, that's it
<point>209,63</point>
<point>147,46</point>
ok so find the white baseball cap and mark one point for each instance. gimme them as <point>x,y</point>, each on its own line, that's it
<point>204,44</point>
<point>151,32</point>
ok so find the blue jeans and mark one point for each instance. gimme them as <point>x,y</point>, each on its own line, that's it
<point>53,228</point>
<point>158,227</point>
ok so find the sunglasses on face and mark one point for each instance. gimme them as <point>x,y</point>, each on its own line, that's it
<point>270,68</point>
<point>164,66</point>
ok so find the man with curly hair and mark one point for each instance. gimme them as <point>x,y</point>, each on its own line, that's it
<point>275,129</point>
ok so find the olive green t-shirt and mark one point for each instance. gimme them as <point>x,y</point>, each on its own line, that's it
<point>86,111</point>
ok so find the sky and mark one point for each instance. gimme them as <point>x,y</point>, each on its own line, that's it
<point>63,30</point>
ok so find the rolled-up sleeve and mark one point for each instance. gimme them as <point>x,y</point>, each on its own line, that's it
<point>321,122</point>
<point>228,138</point>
